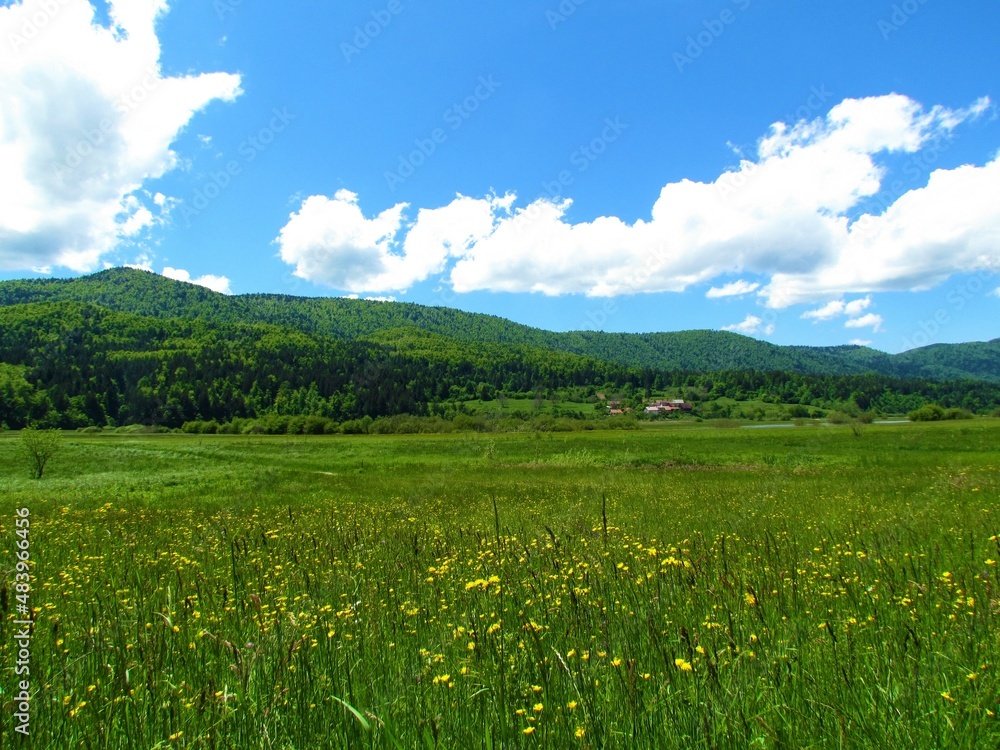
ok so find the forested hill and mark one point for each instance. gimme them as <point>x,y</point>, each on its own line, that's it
<point>144,293</point>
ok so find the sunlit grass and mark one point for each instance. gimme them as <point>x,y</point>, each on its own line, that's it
<point>666,588</point>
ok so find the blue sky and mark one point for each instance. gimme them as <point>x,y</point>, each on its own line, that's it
<point>565,164</point>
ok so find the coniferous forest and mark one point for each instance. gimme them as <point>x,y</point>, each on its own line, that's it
<point>126,347</point>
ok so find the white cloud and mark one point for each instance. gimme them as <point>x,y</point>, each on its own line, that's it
<point>86,118</point>
<point>733,289</point>
<point>860,342</point>
<point>215,283</point>
<point>857,306</point>
<point>836,308</point>
<point>786,214</point>
<point>828,311</point>
<point>330,241</point>
<point>750,325</point>
<point>871,319</point>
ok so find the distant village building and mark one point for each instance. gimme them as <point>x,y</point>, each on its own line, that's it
<point>615,408</point>
<point>666,407</point>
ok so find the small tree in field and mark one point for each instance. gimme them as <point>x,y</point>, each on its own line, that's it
<point>38,446</point>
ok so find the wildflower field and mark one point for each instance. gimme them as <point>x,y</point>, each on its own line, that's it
<point>677,587</point>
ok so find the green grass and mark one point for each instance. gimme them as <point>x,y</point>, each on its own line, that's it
<point>661,588</point>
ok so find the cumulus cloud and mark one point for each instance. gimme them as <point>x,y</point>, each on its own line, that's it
<point>733,289</point>
<point>865,321</point>
<point>860,342</point>
<point>215,283</point>
<point>750,325</point>
<point>836,308</point>
<point>86,118</point>
<point>827,312</point>
<point>789,214</point>
<point>858,306</point>
<point>332,242</point>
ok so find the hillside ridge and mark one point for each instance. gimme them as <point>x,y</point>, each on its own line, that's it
<point>145,293</point>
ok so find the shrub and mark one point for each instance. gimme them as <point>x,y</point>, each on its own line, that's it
<point>314,425</point>
<point>353,427</point>
<point>838,417</point>
<point>958,414</point>
<point>927,413</point>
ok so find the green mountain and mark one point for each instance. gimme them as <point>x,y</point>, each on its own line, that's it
<point>72,364</point>
<point>144,293</point>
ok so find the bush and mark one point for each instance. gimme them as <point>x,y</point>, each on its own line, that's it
<point>926,413</point>
<point>314,425</point>
<point>958,414</point>
<point>934,413</point>
<point>353,427</point>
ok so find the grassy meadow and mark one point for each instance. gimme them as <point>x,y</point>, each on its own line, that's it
<point>680,586</point>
